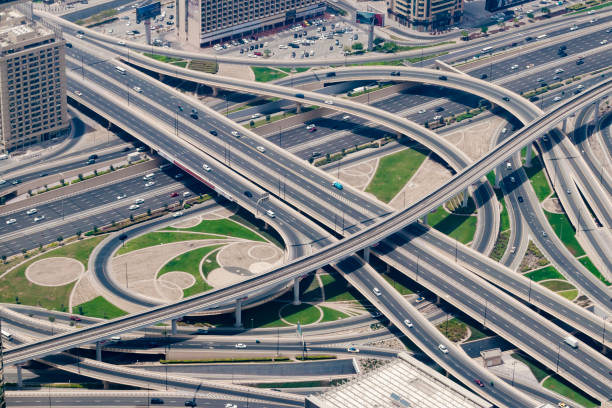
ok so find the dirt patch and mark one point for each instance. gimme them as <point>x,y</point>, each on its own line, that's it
<point>58,271</point>
<point>553,205</point>
<point>358,176</point>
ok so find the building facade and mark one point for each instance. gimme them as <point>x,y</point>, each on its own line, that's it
<point>205,22</point>
<point>32,82</point>
<point>427,15</point>
<point>2,400</point>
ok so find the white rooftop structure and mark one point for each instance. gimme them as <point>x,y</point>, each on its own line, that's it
<point>405,382</point>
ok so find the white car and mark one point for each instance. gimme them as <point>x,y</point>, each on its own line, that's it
<point>206,167</point>
<point>134,207</point>
<point>421,111</point>
<point>270,213</point>
<point>186,194</point>
<point>557,98</point>
<point>346,117</point>
<point>515,66</point>
<point>573,28</point>
<point>2,182</point>
<point>235,133</point>
<point>559,70</point>
<point>255,115</point>
<point>121,43</point>
<point>311,126</point>
<point>138,201</point>
<point>408,323</point>
<point>149,184</point>
<point>603,42</point>
<point>10,221</point>
<point>443,348</point>
<point>240,346</point>
<point>177,214</point>
<point>137,89</point>
<point>78,93</point>
<point>352,349</point>
<point>39,218</point>
<point>329,102</point>
<point>437,117</point>
<point>282,47</point>
<point>31,211</point>
<point>377,291</point>
<point>79,36</point>
<point>121,196</point>
<point>261,149</point>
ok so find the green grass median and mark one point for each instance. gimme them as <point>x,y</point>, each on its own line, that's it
<point>562,387</point>
<point>538,179</point>
<point>460,227</point>
<point>99,307</point>
<point>263,74</point>
<point>221,227</point>
<point>159,238</point>
<point>565,231</point>
<point>548,272</point>
<point>189,262</point>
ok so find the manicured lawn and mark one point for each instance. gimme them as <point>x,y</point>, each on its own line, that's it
<point>189,262</point>
<point>460,227</point>
<point>538,179</point>
<point>560,386</point>
<point>476,334</point>
<point>569,294</point>
<point>330,315</point>
<point>589,265</point>
<point>538,370</point>
<point>557,286</point>
<point>210,264</point>
<point>298,70</point>
<point>336,288</point>
<point>222,227</point>
<point>303,313</point>
<point>263,74</point>
<point>16,288</point>
<point>548,272</point>
<point>564,230</point>
<point>265,315</point>
<point>457,330</point>
<point>157,238</point>
<point>394,171</point>
<point>247,219</point>
<point>397,285</point>
<point>312,292</point>
<point>99,307</point>
<point>504,218</point>
<point>162,58</point>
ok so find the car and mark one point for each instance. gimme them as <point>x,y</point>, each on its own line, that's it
<point>299,95</point>
<point>544,234</point>
<point>2,182</point>
<point>149,184</point>
<point>396,73</point>
<point>157,401</point>
<point>177,214</point>
<point>235,133</point>
<point>484,76</point>
<point>186,193</point>
<point>174,194</point>
<point>191,403</point>
<point>11,221</point>
<point>15,182</point>
<point>338,185</point>
<point>121,42</point>
<point>442,78</point>
<point>408,323</point>
<point>213,132</point>
<point>282,46</point>
<point>261,149</point>
<point>419,299</point>
<point>443,348</point>
<point>568,191</point>
<point>43,174</point>
<point>593,20</point>
<point>515,66</point>
<point>329,102</point>
<point>421,111</point>
<point>39,218</point>
<point>439,109</point>
<point>78,93</point>
<point>376,291</point>
<point>75,318</point>
<point>206,167</point>
<point>609,30</point>
<point>91,161</point>
<point>137,89</point>
<point>513,250</point>
<point>352,349</point>
<point>505,98</point>
<point>478,382</point>
<point>138,201</point>
<point>512,179</point>
<point>248,194</point>
<point>121,196</point>
<point>346,117</point>
<point>179,176</point>
<point>520,199</point>
<point>573,28</point>
<point>562,405</point>
<point>134,207</point>
<point>310,127</point>
<point>270,213</point>
<point>603,42</point>
<point>557,98</point>
<point>141,149</point>
<point>580,62</point>
<point>437,117</point>
<point>240,346</point>
<point>31,211</point>
<point>79,36</point>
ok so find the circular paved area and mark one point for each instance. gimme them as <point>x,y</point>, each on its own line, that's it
<point>188,223</point>
<point>54,271</point>
<point>181,279</point>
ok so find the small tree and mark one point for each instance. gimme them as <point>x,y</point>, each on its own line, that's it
<point>95,172</point>
<point>252,123</point>
<point>78,234</point>
<point>24,251</point>
<point>465,35</point>
<point>80,176</point>
<point>131,217</point>
<point>62,182</point>
<point>268,117</point>
<point>149,212</point>
<point>60,239</point>
<point>51,319</point>
<point>267,53</point>
<point>3,258</point>
<point>545,11</point>
<point>95,229</point>
<point>530,15</point>
<point>111,168</point>
<point>357,46</point>
<point>484,29</point>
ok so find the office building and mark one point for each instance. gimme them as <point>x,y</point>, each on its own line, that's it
<point>32,81</point>
<point>2,400</point>
<point>428,15</point>
<point>205,22</point>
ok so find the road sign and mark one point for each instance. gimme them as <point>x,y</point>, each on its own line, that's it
<point>147,12</point>
<point>365,17</point>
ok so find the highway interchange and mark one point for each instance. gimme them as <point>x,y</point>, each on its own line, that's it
<point>356,212</point>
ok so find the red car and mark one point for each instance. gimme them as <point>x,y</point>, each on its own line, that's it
<point>478,382</point>
<point>75,318</point>
<point>175,194</point>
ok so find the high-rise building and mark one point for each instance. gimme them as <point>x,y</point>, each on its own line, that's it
<point>2,400</point>
<point>205,22</point>
<point>32,81</point>
<point>427,15</point>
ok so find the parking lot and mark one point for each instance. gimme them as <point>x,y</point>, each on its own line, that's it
<point>319,38</point>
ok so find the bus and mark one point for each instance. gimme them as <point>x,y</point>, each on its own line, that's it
<point>487,49</point>
<point>7,335</point>
<point>120,70</point>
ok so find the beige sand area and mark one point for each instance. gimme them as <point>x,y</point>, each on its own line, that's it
<point>58,271</point>
<point>359,175</point>
<point>242,260</point>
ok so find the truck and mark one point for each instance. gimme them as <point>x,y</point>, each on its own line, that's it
<point>7,335</point>
<point>134,157</point>
<point>571,341</point>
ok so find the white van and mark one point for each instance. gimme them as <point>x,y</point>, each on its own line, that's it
<point>148,176</point>
<point>3,156</point>
<point>120,70</point>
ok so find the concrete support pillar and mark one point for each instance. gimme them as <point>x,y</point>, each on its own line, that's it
<point>195,92</point>
<point>437,299</point>
<point>466,195</point>
<point>564,125</point>
<point>298,109</point>
<point>425,219</point>
<point>366,254</point>
<point>388,268</point>
<point>528,155</point>
<point>497,177</point>
<point>597,111</point>
<point>162,77</point>
<point>215,91</point>
<point>296,291</point>
<point>19,376</point>
<point>98,351</point>
<point>106,385</point>
<point>174,327</point>
<point>238,312</point>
